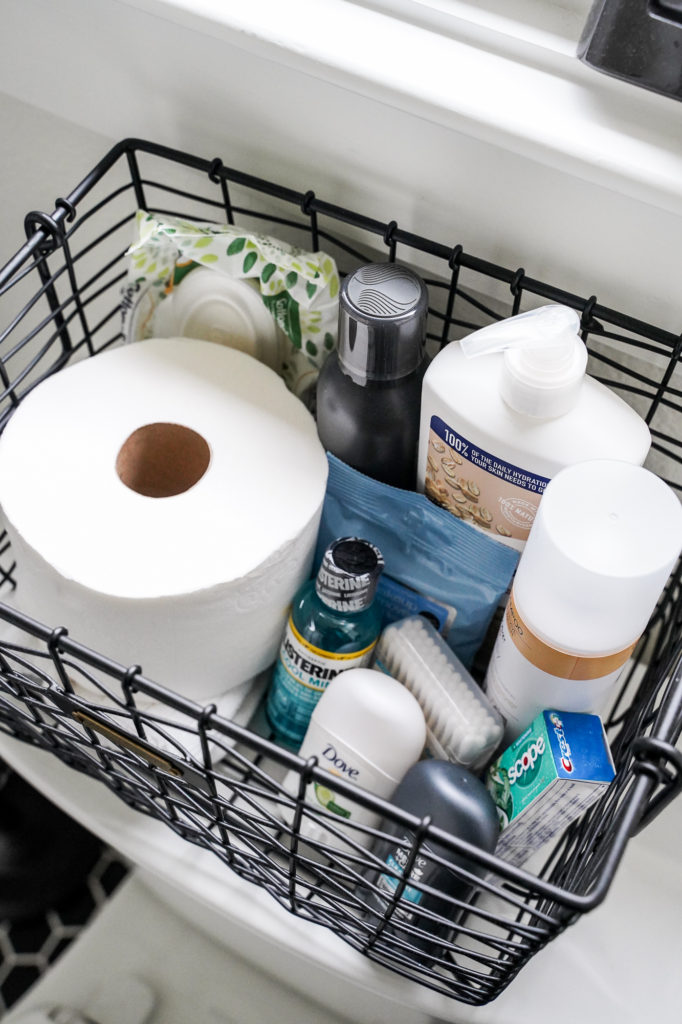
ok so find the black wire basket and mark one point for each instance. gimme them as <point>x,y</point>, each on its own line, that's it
<point>219,785</point>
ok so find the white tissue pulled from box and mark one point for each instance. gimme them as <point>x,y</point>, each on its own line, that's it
<point>194,587</point>
<point>461,724</point>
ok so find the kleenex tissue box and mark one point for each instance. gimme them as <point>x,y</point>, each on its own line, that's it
<point>546,779</point>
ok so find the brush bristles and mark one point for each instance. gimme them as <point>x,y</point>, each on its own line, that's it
<point>461,724</point>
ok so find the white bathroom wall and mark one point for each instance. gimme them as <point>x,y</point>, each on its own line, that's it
<point>78,75</point>
<point>41,157</point>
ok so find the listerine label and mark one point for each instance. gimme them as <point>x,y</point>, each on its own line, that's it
<point>302,674</point>
<point>480,488</point>
<point>348,576</point>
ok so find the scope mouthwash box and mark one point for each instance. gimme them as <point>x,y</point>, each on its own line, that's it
<point>546,779</point>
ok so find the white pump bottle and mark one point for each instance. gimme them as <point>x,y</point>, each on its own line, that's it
<point>505,409</point>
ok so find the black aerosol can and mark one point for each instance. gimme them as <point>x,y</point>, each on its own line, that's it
<point>369,389</point>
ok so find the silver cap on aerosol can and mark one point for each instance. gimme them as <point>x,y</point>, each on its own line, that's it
<point>382,322</point>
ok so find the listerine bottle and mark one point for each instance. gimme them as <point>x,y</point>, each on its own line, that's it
<point>333,625</point>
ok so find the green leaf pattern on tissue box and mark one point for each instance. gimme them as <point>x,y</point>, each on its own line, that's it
<point>299,288</point>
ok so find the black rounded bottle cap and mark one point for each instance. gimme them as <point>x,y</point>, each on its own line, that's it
<point>348,576</point>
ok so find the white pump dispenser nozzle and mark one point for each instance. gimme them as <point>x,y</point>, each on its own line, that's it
<point>544,359</point>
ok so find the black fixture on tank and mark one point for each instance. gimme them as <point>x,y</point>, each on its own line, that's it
<point>638,41</point>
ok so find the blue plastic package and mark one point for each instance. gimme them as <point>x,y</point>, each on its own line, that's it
<point>435,564</point>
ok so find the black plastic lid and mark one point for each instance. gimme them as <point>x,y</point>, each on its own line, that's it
<point>455,800</point>
<point>348,576</point>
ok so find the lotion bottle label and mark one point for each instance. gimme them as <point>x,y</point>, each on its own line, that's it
<point>480,488</point>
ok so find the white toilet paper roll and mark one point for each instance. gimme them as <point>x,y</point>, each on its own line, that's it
<point>163,501</point>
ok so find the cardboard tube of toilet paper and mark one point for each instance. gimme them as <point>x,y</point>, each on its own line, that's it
<point>163,501</point>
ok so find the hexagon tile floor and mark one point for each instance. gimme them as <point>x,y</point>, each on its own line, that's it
<point>29,944</point>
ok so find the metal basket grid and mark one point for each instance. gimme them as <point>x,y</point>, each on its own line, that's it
<point>218,785</point>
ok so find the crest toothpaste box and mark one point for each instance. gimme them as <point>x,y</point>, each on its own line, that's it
<point>546,779</point>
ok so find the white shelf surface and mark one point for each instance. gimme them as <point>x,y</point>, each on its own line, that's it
<point>138,946</point>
